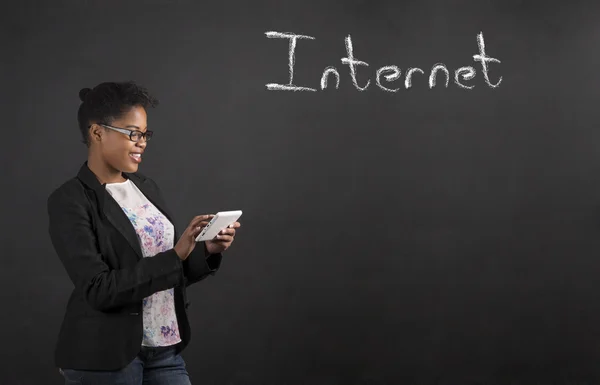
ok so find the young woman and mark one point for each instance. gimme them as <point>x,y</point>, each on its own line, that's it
<point>126,319</point>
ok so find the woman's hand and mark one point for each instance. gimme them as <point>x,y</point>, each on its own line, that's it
<point>187,241</point>
<point>223,240</point>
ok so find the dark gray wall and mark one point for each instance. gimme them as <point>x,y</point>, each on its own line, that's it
<point>431,236</point>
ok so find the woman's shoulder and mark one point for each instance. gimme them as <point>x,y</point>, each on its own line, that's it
<point>71,189</point>
<point>140,178</point>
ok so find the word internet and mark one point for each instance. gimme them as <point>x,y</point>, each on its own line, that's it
<point>389,73</point>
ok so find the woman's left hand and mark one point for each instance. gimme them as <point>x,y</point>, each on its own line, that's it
<point>223,240</point>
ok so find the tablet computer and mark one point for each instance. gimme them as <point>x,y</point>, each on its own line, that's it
<point>221,220</point>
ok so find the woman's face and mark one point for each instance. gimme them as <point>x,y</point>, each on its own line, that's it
<point>117,150</point>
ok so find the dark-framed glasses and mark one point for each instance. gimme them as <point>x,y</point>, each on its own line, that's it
<point>134,135</point>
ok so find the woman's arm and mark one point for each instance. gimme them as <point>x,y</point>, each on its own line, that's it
<point>200,264</point>
<point>71,232</point>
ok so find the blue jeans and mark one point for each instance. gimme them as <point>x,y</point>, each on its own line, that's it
<point>152,366</point>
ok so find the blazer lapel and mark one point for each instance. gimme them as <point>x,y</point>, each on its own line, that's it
<point>110,209</point>
<point>115,214</point>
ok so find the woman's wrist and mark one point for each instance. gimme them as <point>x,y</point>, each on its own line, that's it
<point>180,254</point>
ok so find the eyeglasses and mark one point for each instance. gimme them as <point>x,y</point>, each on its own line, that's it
<point>134,135</point>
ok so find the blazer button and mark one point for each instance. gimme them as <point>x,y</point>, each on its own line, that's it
<point>134,313</point>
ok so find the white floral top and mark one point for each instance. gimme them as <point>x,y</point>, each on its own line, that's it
<point>156,234</point>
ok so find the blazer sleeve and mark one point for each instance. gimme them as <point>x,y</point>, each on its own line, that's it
<point>73,237</point>
<point>200,264</point>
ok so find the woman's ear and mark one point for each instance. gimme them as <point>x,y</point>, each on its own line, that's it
<point>95,133</point>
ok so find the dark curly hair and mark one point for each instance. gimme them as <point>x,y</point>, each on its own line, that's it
<point>109,101</point>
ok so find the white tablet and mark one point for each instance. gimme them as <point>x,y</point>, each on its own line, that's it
<point>220,221</point>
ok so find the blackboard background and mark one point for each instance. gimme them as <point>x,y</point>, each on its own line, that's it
<point>431,236</point>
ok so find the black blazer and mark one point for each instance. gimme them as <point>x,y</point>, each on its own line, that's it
<point>99,248</point>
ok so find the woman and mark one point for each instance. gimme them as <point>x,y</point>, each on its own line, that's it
<point>126,319</point>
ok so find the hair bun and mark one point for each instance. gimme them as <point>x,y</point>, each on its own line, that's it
<point>83,92</point>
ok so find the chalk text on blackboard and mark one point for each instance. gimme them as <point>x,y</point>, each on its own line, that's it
<point>390,73</point>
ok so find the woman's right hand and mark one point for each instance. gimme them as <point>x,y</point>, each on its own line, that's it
<point>187,241</point>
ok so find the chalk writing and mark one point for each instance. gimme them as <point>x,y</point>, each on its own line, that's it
<point>390,73</point>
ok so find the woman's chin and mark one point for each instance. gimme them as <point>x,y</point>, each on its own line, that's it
<point>131,168</point>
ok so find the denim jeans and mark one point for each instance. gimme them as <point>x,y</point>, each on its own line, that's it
<point>152,366</point>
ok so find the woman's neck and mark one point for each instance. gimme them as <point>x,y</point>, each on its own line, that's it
<point>103,171</point>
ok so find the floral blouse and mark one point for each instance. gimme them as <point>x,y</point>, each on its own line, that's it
<point>156,234</point>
